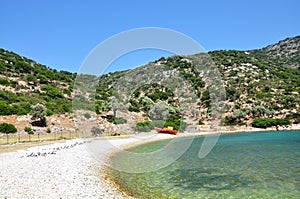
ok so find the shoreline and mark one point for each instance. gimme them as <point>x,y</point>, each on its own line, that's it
<point>105,171</point>
<point>63,175</point>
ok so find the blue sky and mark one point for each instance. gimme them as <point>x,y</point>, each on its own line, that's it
<point>61,33</point>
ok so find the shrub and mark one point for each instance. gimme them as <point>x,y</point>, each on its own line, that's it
<point>117,120</point>
<point>87,115</point>
<point>134,109</point>
<point>48,130</point>
<point>158,123</point>
<point>28,130</point>
<point>201,122</point>
<point>295,117</point>
<point>49,112</point>
<point>4,82</point>
<point>31,78</point>
<point>96,131</point>
<point>51,91</point>
<point>176,122</point>
<point>144,126</point>
<point>268,122</point>
<point>7,128</point>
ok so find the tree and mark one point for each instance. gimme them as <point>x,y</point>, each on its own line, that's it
<point>38,114</point>
<point>147,103</point>
<point>7,129</point>
<point>116,104</point>
<point>29,131</point>
<point>159,111</point>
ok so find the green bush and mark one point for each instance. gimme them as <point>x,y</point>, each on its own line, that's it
<point>176,122</point>
<point>144,126</point>
<point>134,109</point>
<point>117,120</point>
<point>295,117</point>
<point>201,122</point>
<point>49,112</point>
<point>268,122</point>
<point>28,130</point>
<point>4,82</point>
<point>87,115</point>
<point>51,91</point>
<point>48,130</point>
<point>31,78</point>
<point>7,128</point>
<point>158,123</point>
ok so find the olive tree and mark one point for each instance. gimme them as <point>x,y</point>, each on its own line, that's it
<point>38,113</point>
<point>116,104</point>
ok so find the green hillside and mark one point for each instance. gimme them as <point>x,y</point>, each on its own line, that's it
<point>24,82</point>
<point>261,83</point>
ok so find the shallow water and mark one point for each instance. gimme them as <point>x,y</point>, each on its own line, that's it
<point>249,165</point>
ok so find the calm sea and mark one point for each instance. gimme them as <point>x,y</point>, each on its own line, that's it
<point>248,165</point>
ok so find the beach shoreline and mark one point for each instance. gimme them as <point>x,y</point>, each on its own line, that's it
<point>161,137</point>
<point>63,175</point>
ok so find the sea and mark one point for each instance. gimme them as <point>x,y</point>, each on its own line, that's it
<point>242,165</point>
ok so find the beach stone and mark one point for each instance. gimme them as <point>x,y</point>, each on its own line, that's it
<point>70,173</point>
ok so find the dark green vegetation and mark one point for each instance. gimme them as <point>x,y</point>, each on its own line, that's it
<point>269,122</point>
<point>7,128</point>
<point>262,83</point>
<point>28,83</point>
<point>173,121</point>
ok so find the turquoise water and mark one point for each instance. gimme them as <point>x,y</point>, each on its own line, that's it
<point>249,165</point>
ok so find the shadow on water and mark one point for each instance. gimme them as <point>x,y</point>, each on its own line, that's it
<point>209,179</point>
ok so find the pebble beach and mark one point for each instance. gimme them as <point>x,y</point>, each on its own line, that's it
<point>73,171</point>
<point>69,173</point>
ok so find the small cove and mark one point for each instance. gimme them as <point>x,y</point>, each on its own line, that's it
<point>248,165</point>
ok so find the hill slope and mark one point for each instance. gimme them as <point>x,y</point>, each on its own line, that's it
<point>256,83</point>
<point>24,82</point>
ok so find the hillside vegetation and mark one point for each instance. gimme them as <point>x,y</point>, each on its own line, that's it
<point>262,83</point>
<point>24,82</point>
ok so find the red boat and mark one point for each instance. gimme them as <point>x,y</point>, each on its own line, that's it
<point>166,130</point>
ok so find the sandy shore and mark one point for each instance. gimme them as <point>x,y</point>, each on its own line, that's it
<point>70,173</point>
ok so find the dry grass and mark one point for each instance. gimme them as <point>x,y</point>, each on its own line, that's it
<point>15,142</point>
<point>12,139</point>
<point>22,146</point>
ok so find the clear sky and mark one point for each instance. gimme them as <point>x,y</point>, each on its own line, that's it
<point>61,33</point>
